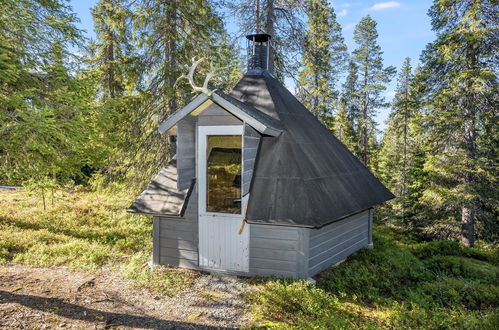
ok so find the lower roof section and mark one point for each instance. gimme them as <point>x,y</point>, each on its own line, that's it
<point>161,197</point>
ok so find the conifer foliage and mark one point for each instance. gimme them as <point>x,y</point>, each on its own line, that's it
<point>460,69</point>
<point>372,80</point>
<point>87,112</point>
<point>324,58</point>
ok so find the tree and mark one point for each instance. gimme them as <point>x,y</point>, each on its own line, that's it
<point>350,94</point>
<point>323,60</point>
<point>168,35</point>
<point>373,78</point>
<point>396,139</point>
<point>113,49</point>
<point>282,20</point>
<point>402,144</point>
<point>342,128</point>
<point>461,78</point>
<point>44,104</point>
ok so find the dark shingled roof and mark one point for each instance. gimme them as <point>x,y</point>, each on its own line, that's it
<point>251,111</point>
<point>305,176</point>
<point>162,197</point>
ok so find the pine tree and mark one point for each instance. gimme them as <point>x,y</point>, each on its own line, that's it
<point>350,94</point>
<point>373,78</point>
<point>461,71</point>
<point>342,128</point>
<point>283,21</point>
<point>323,60</point>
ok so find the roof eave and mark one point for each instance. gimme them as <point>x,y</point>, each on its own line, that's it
<point>266,127</point>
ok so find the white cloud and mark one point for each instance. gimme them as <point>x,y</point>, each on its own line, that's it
<point>385,5</point>
<point>342,13</point>
<point>391,94</point>
<point>349,27</point>
<point>341,5</point>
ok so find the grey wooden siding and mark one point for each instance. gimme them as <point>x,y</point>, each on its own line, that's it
<point>186,151</point>
<point>336,241</point>
<point>251,143</point>
<point>278,251</point>
<point>214,115</point>
<point>176,239</point>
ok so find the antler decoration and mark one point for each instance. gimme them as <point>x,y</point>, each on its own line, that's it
<point>190,76</point>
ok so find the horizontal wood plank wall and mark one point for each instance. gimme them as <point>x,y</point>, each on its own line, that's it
<point>251,143</point>
<point>277,250</point>
<point>186,151</point>
<point>214,115</point>
<point>178,237</point>
<point>334,242</point>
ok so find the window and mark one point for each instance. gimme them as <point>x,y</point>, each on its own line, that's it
<point>223,193</point>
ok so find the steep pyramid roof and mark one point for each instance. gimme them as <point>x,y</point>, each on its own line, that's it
<point>305,176</point>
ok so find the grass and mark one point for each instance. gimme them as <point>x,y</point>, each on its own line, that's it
<point>400,283</point>
<point>84,231</point>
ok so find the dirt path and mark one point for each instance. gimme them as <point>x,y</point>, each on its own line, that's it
<point>58,298</point>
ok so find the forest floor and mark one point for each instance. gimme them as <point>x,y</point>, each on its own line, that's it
<point>83,263</point>
<point>55,297</point>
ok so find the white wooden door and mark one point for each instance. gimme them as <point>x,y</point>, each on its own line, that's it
<point>221,205</point>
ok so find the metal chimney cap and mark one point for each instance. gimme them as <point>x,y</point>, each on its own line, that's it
<point>259,37</point>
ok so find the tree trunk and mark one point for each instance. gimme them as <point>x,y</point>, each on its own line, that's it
<point>110,83</point>
<point>270,30</point>
<point>404,165</point>
<point>469,142</point>
<point>43,198</point>
<point>467,226</point>
<point>171,55</point>
<point>365,138</point>
<point>257,16</point>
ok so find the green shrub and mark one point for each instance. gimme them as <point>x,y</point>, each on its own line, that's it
<point>463,267</point>
<point>455,293</point>
<point>372,275</point>
<point>453,248</point>
<point>289,304</point>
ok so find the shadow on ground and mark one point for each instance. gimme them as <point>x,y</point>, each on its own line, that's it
<point>76,312</point>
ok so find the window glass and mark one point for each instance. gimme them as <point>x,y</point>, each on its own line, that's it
<point>223,193</point>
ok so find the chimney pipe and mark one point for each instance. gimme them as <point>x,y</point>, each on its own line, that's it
<point>258,51</point>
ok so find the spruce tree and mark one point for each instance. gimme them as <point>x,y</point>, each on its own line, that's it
<point>113,49</point>
<point>169,34</point>
<point>461,79</point>
<point>397,135</point>
<point>401,140</point>
<point>44,105</point>
<point>323,60</point>
<point>373,77</point>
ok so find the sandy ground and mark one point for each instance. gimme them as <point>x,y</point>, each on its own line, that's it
<point>58,298</point>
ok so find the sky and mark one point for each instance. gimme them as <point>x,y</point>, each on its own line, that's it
<point>403,27</point>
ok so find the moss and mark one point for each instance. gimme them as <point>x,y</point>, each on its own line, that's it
<point>85,231</point>
<point>401,283</point>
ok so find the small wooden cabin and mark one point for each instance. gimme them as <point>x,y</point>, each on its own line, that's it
<point>258,187</point>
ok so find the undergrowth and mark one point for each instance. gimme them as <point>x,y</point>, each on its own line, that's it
<point>83,231</point>
<point>400,283</point>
